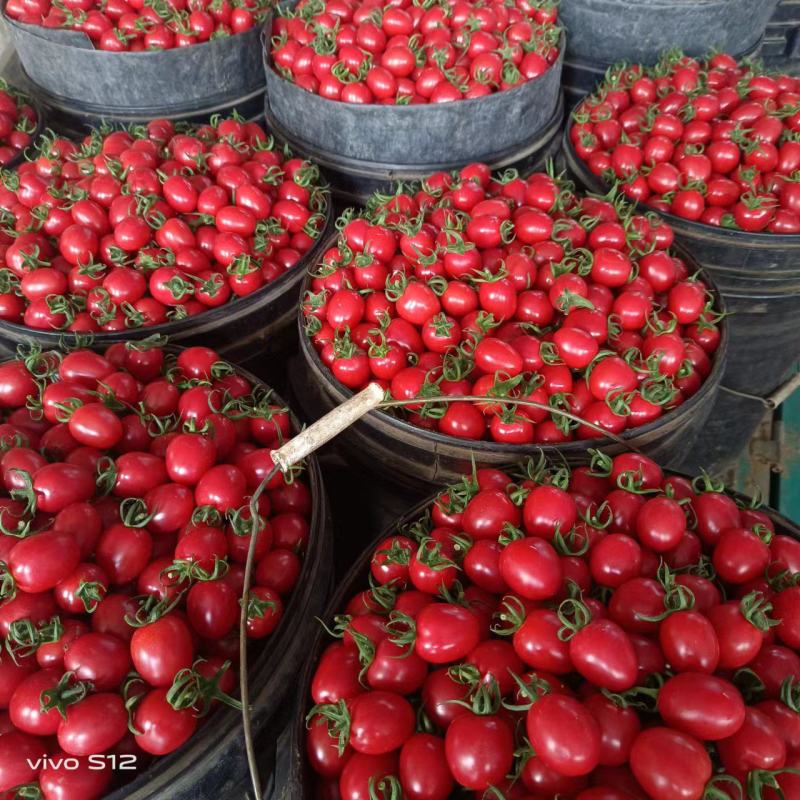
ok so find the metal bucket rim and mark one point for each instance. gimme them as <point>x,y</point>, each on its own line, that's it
<point>30,30</point>
<point>601,66</point>
<point>327,159</point>
<point>377,110</point>
<point>69,106</point>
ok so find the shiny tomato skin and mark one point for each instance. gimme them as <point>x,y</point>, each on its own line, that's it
<point>102,659</point>
<point>773,665</point>
<point>604,655</point>
<point>381,722</point>
<point>17,752</point>
<point>757,744</point>
<point>479,750</point>
<point>93,725</point>
<point>654,755</point>
<point>396,669</point>
<point>38,562</point>
<point>59,485</point>
<point>715,512</point>
<point>704,706</point>
<point>95,425</point>
<point>689,642</point>
<point>363,771</point>
<point>16,383</point>
<point>25,709</point>
<point>786,720</point>
<point>564,735</point>
<point>189,457</point>
<point>531,568</point>
<point>619,728</point>
<point>212,608</point>
<point>161,728</point>
<point>438,696</point>
<point>660,524</point>
<point>423,769</point>
<point>546,509</point>
<point>223,487</point>
<point>123,552</point>
<point>786,609</point>
<point>446,633</point>
<point>337,675</point>
<point>482,566</point>
<point>60,780</point>
<point>138,473</point>
<point>161,649</point>
<point>487,512</point>
<point>12,673</point>
<point>740,556</point>
<point>537,642</point>
<point>739,640</point>
<point>322,750</point>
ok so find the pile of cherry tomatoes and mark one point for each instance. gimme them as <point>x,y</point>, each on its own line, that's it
<point>120,26</point>
<point>18,122</point>
<point>362,51</point>
<point>613,633</point>
<point>125,523</point>
<point>512,289</point>
<point>710,141</point>
<point>145,226</point>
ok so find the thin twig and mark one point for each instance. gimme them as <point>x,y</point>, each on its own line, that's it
<point>243,682</point>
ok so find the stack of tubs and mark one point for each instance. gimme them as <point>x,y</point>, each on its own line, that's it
<point>605,32</point>
<point>77,88</point>
<point>94,88</point>
<point>781,48</point>
<point>352,145</point>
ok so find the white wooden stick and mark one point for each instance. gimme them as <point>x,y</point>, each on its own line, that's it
<point>329,426</point>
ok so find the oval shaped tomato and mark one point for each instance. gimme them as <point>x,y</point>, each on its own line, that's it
<point>531,568</point>
<point>757,744</point>
<point>619,728</point>
<point>689,642</point>
<point>19,754</point>
<point>654,755</point>
<point>446,633</point>
<point>39,562</point>
<point>25,706</point>
<point>161,728</point>
<point>93,725</point>
<point>161,649</point>
<point>380,722</point>
<point>61,779</point>
<point>564,735</point>
<point>704,706</point>
<point>95,425</point>
<point>602,652</point>
<point>423,770</point>
<point>479,750</point>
